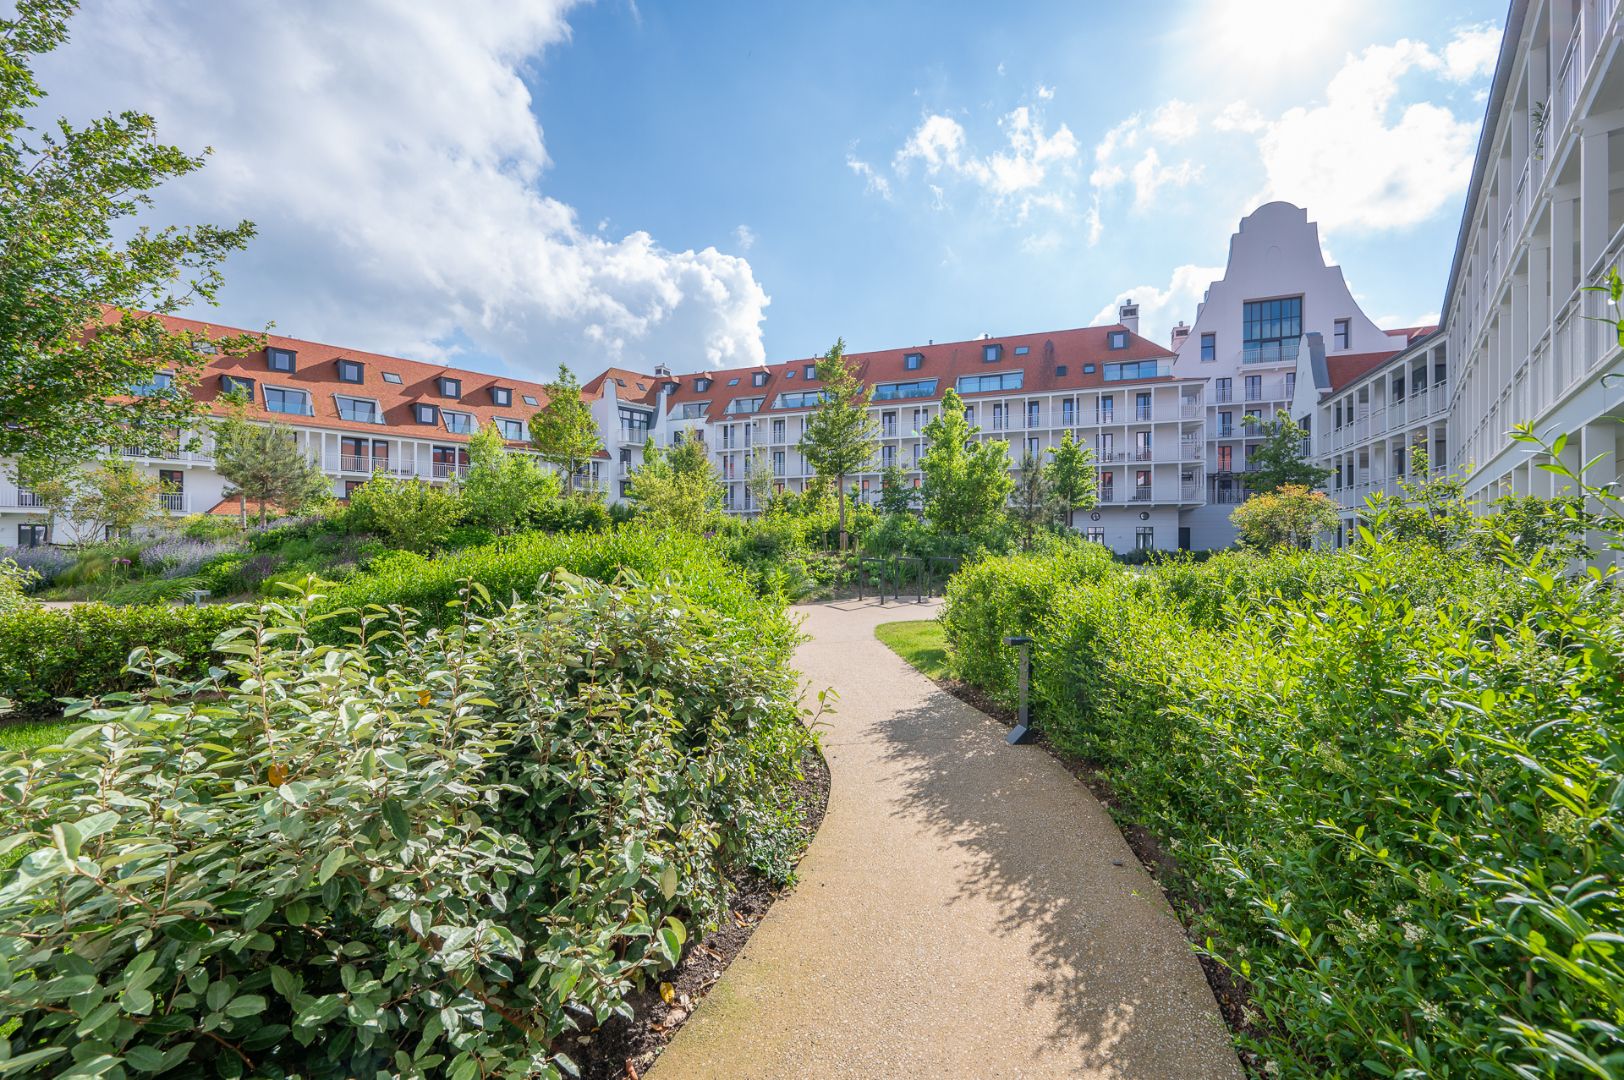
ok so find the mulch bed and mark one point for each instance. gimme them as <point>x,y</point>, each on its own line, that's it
<point>1147,847</point>
<point>625,1049</point>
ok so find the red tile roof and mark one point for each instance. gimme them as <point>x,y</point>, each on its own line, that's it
<point>316,370</point>
<point>1345,368</point>
<point>631,386</point>
<point>1412,334</point>
<point>1069,349</point>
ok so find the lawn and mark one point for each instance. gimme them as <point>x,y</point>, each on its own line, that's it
<point>27,734</point>
<point>921,642</point>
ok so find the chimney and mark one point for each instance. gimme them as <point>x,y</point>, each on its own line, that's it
<point>1128,316</point>
<point>661,371</point>
<point>1180,332</point>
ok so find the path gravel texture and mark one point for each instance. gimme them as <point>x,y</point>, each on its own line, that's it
<point>967,909</point>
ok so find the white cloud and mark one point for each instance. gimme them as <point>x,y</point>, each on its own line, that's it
<point>1160,308</point>
<point>1045,93</point>
<point>1022,174</point>
<point>1472,54</point>
<point>746,236</point>
<point>873,182</point>
<point>396,211</point>
<point>1174,121</point>
<point>1118,158</point>
<point>1239,116</point>
<point>1395,322</point>
<point>1150,176</point>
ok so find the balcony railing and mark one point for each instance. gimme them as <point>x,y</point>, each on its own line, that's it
<point>446,470</point>
<point>173,501</point>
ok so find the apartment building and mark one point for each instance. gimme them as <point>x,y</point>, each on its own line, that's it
<point>1112,389</point>
<point>355,413</point>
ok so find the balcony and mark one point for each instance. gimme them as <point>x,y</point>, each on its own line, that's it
<point>1141,414</point>
<point>1141,495</point>
<point>446,470</point>
<point>1143,453</point>
<point>1191,409</point>
<point>173,501</point>
<point>633,434</point>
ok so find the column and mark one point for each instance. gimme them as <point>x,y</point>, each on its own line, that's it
<point>1600,446</point>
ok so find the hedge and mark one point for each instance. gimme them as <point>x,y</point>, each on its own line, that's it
<point>80,651</point>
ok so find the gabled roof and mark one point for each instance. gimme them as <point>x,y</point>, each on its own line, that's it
<point>316,371</point>
<point>630,386</point>
<point>1046,354</point>
<point>1412,334</point>
<point>1346,368</point>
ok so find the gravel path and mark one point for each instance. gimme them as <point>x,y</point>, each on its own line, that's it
<point>967,909</point>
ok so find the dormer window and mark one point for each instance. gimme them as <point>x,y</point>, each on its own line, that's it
<point>351,371</point>
<point>450,388</point>
<point>236,384</point>
<point>913,361</point>
<point>1022,350</point>
<point>358,410</point>
<point>701,385</point>
<point>512,430</point>
<point>501,395</point>
<point>811,371</point>
<point>458,423</point>
<point>759,379</point>
<point>281,360</point>
<point>1117,339</point>
<point>992,353</point>
<point>426,414</point>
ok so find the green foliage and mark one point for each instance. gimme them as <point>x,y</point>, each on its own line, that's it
<point>1288,516</point>
<point>68,254</point>
<point>841,432</point>
<point>1071,477</point>
<point>678,488</point>
<point>408,513</point>
<point>1032,507</point>
<point>504,490</point>
<point>897,493</point>
<point>1389,777</point>
<point>113,500</point>
<point>921,642</point>
<point>266,467</point>
<point>14,585</point>
<point>563,431</point>
<point>431,853</point>
<point>209,527</point>
<point>967,482</point>
<point>1279,460</point>
<point>81,651</point>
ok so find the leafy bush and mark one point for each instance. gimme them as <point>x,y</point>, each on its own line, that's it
<point>15,581</point>
<point>1390,776</point>
<point>81,651</point>
<point>574,513</point>
<point>436,853</point>
<point>210,527</point>
<point>410,514</point>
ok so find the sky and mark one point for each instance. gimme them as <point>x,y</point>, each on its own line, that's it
<point>511,185</point>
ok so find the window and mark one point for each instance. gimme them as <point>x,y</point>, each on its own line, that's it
<point>778,463</point>
<point>1141,448</point>
<point>1342,333</point>
<point>798,399</point>
<point>160,381</point>
<point>1032,445</point>
<point>1107,485</point>
<point>898,391</point>
<point>391,378</point>
<point>361,410</point>
<point>733,381</point>
<point>357,454</point>
<point>426,414</point>
<point>745,405</point>
<point>758,379</point>
<point>991,354</point>
<point>701,385</point>
<point>1209,348</point>
<point>1270,330</point>
<point>1022,350</point>
<point>913,361</point>
<point>282,360</point>
<point>778,430</point>
<point>1291,384</point>
<point>1060,370</point>
<point>1107,408</point>
<point>501,395</point>
<point>1094,534</point>
<point>790,374</point>
<point>1226,424</point>
<point>1141,483</point>
<point>1134,369</point>
<point>530,400</point>
<point>449,461</point>
<point>1105,445</point>
<point>1034,414</point>
<point>1226,459</point>
<point>31,534</point>
<point>888,456</point>
<point>1117,339</point>
<point>458,423</point>
<point>236,384</point>
<point>1225,390</point>
<point>1088,369</point>
<point>634,424</point>
<point>692,410</point>
<point>449,387</point>
<point>279,400</point>
<point>512,430</point>
<point>1000,417</point>
<point>1144,538</point>
<point>1141,406</point>
<point>1254,388</point>
<point>1068,412</point>
<point>980,384</point>
<point>349,371</point>
<point>810,371</point>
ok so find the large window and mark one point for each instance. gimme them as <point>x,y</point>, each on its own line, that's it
<point>458,423</point>
<point>1209,348</point>
<point>1144,537</point>
<point>980,384</point>
<point>512,430</point>
<point>745,405</point>
<point>279,400</point>
<point>692,410</point>
<point>361,410</point>
<point>799,399</point>
<point>917,389</point>
<point>634,424</point>
<point>1270,330</point>
<point>160,382</point>
<point>1134,369</point>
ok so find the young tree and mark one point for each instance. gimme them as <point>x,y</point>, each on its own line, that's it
<point>1289,517</point>
<point>967,483</point>
<point>409,513</point>
<point>759,480</point>
<point>1279,460</point>
<point>114,500</point>
<point>265,465</point>
<point>503,488</point>
<point>1034,504</point>
<point>841,434</point>
<point>1071,478</point>
<point>70,262</point>
<point>897,494</point>
<point>678,487</point>
<point>563,430</point>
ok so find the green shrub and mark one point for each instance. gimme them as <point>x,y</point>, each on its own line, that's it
<point>14,585</point>
<point>409,513</point>
<point>440,854</point>
<point>210,527</point>
<point>81,651</point>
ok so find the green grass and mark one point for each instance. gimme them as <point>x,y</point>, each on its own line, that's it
<point>29,734</point>
<point>921,642</point>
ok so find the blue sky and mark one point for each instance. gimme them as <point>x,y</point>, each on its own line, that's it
<point>519,185</point>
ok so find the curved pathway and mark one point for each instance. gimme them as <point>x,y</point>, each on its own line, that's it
<point>966,909</point>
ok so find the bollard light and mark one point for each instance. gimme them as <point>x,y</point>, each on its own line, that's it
<point>1022,731</point>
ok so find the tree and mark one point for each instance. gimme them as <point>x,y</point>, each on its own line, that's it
<point>1279,460</point>
<point>897,494</point>
<point>759,480</point>
<point>967,483</point>
<point>1034,504</point>
<point>81,291</point>
<point>1289,517</point>
<point>409,513</point>
<point>265,465</point>
<point>679,486</point>
<point>563,430</point>
<point>841,433</point>
<point>1071,478</point>
<point>502,488</point>
<point>114,500</point>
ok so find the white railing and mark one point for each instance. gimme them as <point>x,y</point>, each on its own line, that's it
<point>446,470</point>
<point>173,501</point>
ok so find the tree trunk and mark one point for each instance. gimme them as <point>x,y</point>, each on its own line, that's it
<point>841,482</point>
<point>242,508</point>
